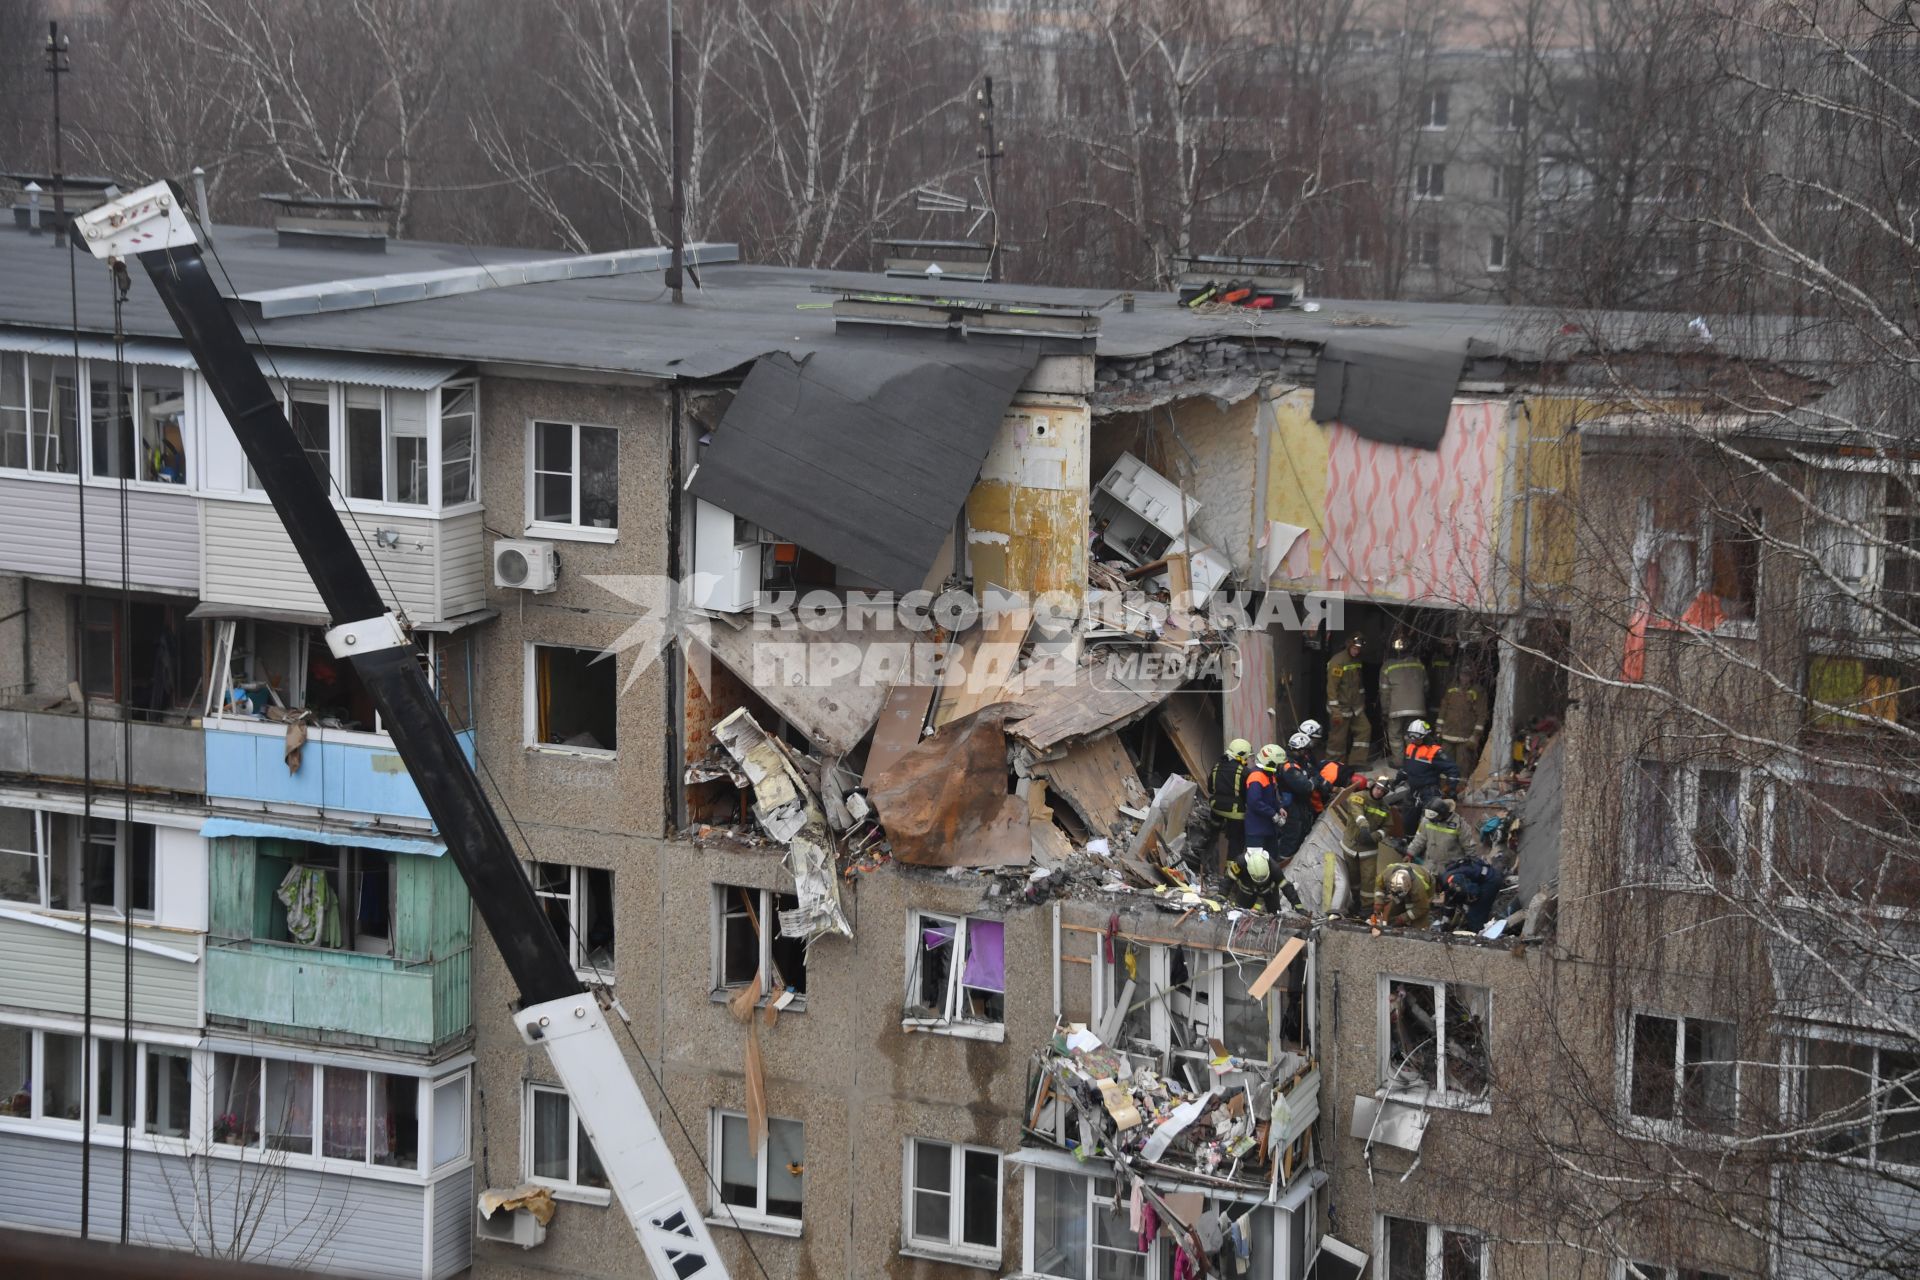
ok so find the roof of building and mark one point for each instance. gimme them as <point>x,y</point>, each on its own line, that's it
<point>625,323</point>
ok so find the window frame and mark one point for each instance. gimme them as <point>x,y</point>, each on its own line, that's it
<point>1796,1071</point>
<point>1423,238</point>
<point>530,705</point>
<point>82,471</point>
<point>1283,1225</point>
<point>953,1247</point>
<point>569,529</point>
<point>1864,600</point>
<point>437,450</point>
<point>579,880</point>
<point>766,907</point>
<point>1678,1126</point>
<point>719,1212</point>
<point>1430,180</point>
<point>570,1188</point>
<point>1496,252</point>
<point>1442,1095</point>
<point>1783,780</point>
<point>951,1022</point>
<point>1437,1234</point>
<point>1509,111</point>
<point>94,1051</point>
<point>1686,871</point>
<point>1107,984</point>
<point>1640,1269</point>
<point>1704,537</point>
<point>1435,104</point>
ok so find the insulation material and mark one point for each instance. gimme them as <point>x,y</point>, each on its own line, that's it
<point>944,801</point>
<point>785,809</point>
<point>536,1200</point>
<point>1097,779</point>
<point>741,1006</point>
<point>1027,514</point>
<point>1390,523</point>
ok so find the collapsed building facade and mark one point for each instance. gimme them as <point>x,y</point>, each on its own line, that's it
<point>844,653</point>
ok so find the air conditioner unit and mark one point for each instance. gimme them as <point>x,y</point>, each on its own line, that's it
<point>525,564</point>
<point>509,1226</point>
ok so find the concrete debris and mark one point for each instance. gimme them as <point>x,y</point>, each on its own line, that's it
<point>786,810</point>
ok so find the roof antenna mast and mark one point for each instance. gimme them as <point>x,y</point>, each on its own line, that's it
<point>677,201</point>
<point>57,66</point>
<point>991,153</point>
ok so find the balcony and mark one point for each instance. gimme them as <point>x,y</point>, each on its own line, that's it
<point>281,987</point>
<point>340,770</point>
<point>43,737</point>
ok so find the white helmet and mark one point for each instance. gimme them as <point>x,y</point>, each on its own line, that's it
<point>1419,729</point>
<point>1299,742</point>
<point>1313,729</point>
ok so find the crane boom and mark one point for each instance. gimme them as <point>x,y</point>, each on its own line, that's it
<point>556,1010</point>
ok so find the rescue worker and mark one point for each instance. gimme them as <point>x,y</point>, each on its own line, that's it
<point>1403,896</point>
<point>1403,693</point>
<point>1370,805</point>
<point>1468,889</point>
<point>1366,820</point>
<point>1427,772</point>
<point>1296,778</point>
<point>1227,796</point>
<point>1438,842</point>
<point>1462,720</point>
<point>1349,733</point>
<point>1251,883</point>
<point>1330,774</point>
<point>1266,803</point>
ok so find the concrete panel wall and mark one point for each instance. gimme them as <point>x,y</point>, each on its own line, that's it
<point>57,745</point>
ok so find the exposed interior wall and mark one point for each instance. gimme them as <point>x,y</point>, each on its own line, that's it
<point>1207,449</point>
<point>1027,515</point>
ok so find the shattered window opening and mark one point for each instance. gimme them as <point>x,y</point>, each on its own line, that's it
<point>572,700</point>
<point>1422,1251</point>
<point>558,1152</point>
<point>1701,569</point>
<point>1184,999</point>
<point>941,993</point>
<point>1684,1071</point>
<point>766,1184</point>
<point>108,863</point>
<point>1687,822</point>
<point>1434,1041</point>
<point>1862,1101</point>
<point>1077,1229</point>
<point>578,902</point>
<point>953,1197</point>
<point>750,945</point>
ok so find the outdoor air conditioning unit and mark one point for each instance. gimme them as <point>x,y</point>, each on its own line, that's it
<point>509,1226</point>
<point>525,564</point>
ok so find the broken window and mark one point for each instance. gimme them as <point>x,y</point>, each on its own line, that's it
<point>103,862</point>
<point>750,945</point>
<point>573,698</point>
<point>558,1151</point>
<point>1687,821</point>
<point>1181,1001</point>
<point>143,652</point>
<point>953,1198</point>
<point>956,972</point>
<point>1077,1229</point>
<point>1423,1251</point>
<point>1861,695</point>
<point>310,410</point>
<point>1860,1100</point>
<point>574,477</point>
<point>578,902</point>
<point>1684,1071</point>
<point>1702,570</point>
<point>459,460</point>
<point>1434,1040</point>
<point>766,1184</point>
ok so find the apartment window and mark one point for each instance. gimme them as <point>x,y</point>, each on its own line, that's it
<point>956,974</point>
<point>39,414</point>
<point>1497,253</point>
<point>749,944</point>
<point>168,1091</point>
<point>106,863</point>
<point>339,1113</point>
<point>1429,181</point>
<point>579,905</point>
<point>1563,179</point>
<point>1683,1071</point>
<point>1687,824</point>
<point>366,437</point>
<point>1509,181</point>
<point>574,479</point>
<point>1831,842</point>
<point>1074,1232</point>
<point>953,1199</point>
<point>22,857</point>
<point>1423,1251</point>
<point>1434,1039</point>
<point>310,410</point>
<point>1426,249</point>
<point>1509,111</point>
<point>1860,1101</point>
<point>110,421</point>
<point>1180,1001</point>
<point>1359,252</point>
<point>61,1076</point>
<point>572,698</point>
<point>1702,569</point>
<point>386,442</point>
<point>1433,109</point>
<point>558,1151</point>
<point>1878,574</point>
<point>450,1120</point>
<point>459,431</point>
<point>335,896</point>
<point>766,1184</point>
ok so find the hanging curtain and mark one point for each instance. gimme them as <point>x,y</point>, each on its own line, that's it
<point>313,912</point>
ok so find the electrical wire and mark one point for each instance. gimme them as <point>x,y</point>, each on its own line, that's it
<point>659,1083</point>
<point>123,418</point>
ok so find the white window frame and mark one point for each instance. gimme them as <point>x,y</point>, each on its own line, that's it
<point>1109,983</point>
<point>571,529</point>
<point>530,704</point>
<point>93,1051</point>
<point>1442,1095</point>
<point>951,1247</point>
<point>1793,1058</point>
<point>430,1162</point>
<point>1430,180</point>
<point>1303,1217</point>
<point>74,856</point>
<point>575,897</point>
<point>563,1189</point>
<point>1434,109</point>
<point>1422,237</point>
<point>1679,1128</point>
<point>39,836</point>
<point>720,1213</point>
<point>1575,180</point>
<point>1685,870</point>
<point>92,368</point>
<point>766,905</point>
<point>1436,1245</point>
<point>437,449</point>
<point>1835,544</point>
<point>1653,540</point>
<point>952,1021</point>
<point>82,427</point>
<point>1496,252</point>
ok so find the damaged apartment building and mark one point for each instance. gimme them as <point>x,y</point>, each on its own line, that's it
<point>845,655</point>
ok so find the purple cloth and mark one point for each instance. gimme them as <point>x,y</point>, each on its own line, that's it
<point>986,956</point>
<point>936,938</point>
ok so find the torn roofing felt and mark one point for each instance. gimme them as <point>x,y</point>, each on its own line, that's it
<point>863,451</point>
<point>1392,387</point>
